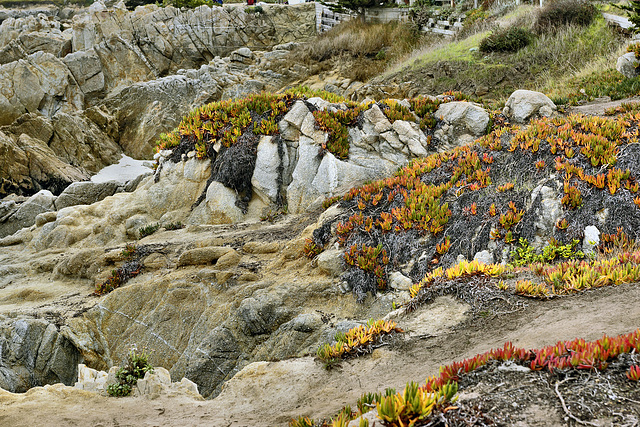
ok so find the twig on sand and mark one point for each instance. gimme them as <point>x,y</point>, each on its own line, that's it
<point>566,410</point>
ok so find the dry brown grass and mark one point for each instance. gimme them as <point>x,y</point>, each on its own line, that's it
<point>360,50</point>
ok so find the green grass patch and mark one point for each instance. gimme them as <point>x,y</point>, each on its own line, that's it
<point>544,63</point>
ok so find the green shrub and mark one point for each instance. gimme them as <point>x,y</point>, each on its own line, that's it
<point>510,39</point>
<point>137,366</point>
<point>559,13</point>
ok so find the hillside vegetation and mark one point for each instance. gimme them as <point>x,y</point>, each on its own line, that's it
<point>558,50</point>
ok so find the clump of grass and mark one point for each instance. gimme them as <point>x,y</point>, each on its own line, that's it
<point>136,367</point>
<point>608,82</point>
<point>148,230</point>
<point>557,14</point>
<point>174,226</point>
<point>360,50</point>
<point>510,39</point>
<point>544,65</point>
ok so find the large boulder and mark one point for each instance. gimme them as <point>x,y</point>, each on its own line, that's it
<point>525,104</point>
<point>33,353</point>
<point>463,118</point>
<point>85,193</point>
<point>25,214</point>
<point>627,65</point>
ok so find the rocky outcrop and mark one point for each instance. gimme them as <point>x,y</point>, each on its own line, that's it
<point>40,153</point>
<point>33,353</point>
<point>14,217</point>
<point>155,383</point>
<point>291,168</point>
<point>110,76</point>
<point>195,336</point>
<point>45,86</point>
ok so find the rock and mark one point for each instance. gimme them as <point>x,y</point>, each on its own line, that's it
<point>91,379</point>
<point>85,193</point>
<point>377,119</point>
<point>87,70</point>
<point>549,212</point>
<point>591,239</point>
<point>143,111</point>
<point>34,353</point>
<point>261,247</point>
<point>246,87</point>
<point>243,55</point>
<point>509,366</point>
<point>410,134</point>
<point>25,215</point>
<point>331,262</point>
<point>524,104</point>
<point>52,153</point>
<point>464,118</point>
<point>627,65</point>
<point>399,281</point>
<point>261,315</point>
<point>228,260</point>
<point>44,87</point>
<point>296,114</point>
<point>201,256</point>
<point>266,179</point>
<point>44,218</point>
<point>153,383</point>
<point>299,192</point>
<point>483,257</point>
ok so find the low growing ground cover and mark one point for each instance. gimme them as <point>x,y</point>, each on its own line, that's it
<point>579,380</point>
<point>488,195</point>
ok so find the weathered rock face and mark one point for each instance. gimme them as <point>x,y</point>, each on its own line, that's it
<point>33,353</point>
<point>195,336</point>
<point>44,86</point>
<point>114,76</point>
<point>51,153</point>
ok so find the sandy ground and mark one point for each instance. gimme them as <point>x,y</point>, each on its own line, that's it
<point>271,393</point>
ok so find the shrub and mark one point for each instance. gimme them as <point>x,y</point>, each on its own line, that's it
<point>556,14</point>
<point>510,39</point>
<point>137,366</point>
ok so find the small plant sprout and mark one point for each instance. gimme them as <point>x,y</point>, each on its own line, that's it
<point>443,248</point>
<point>562,224</point>
<point>634,373</point>
<point>129,250</point>
<point>148,230</point>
